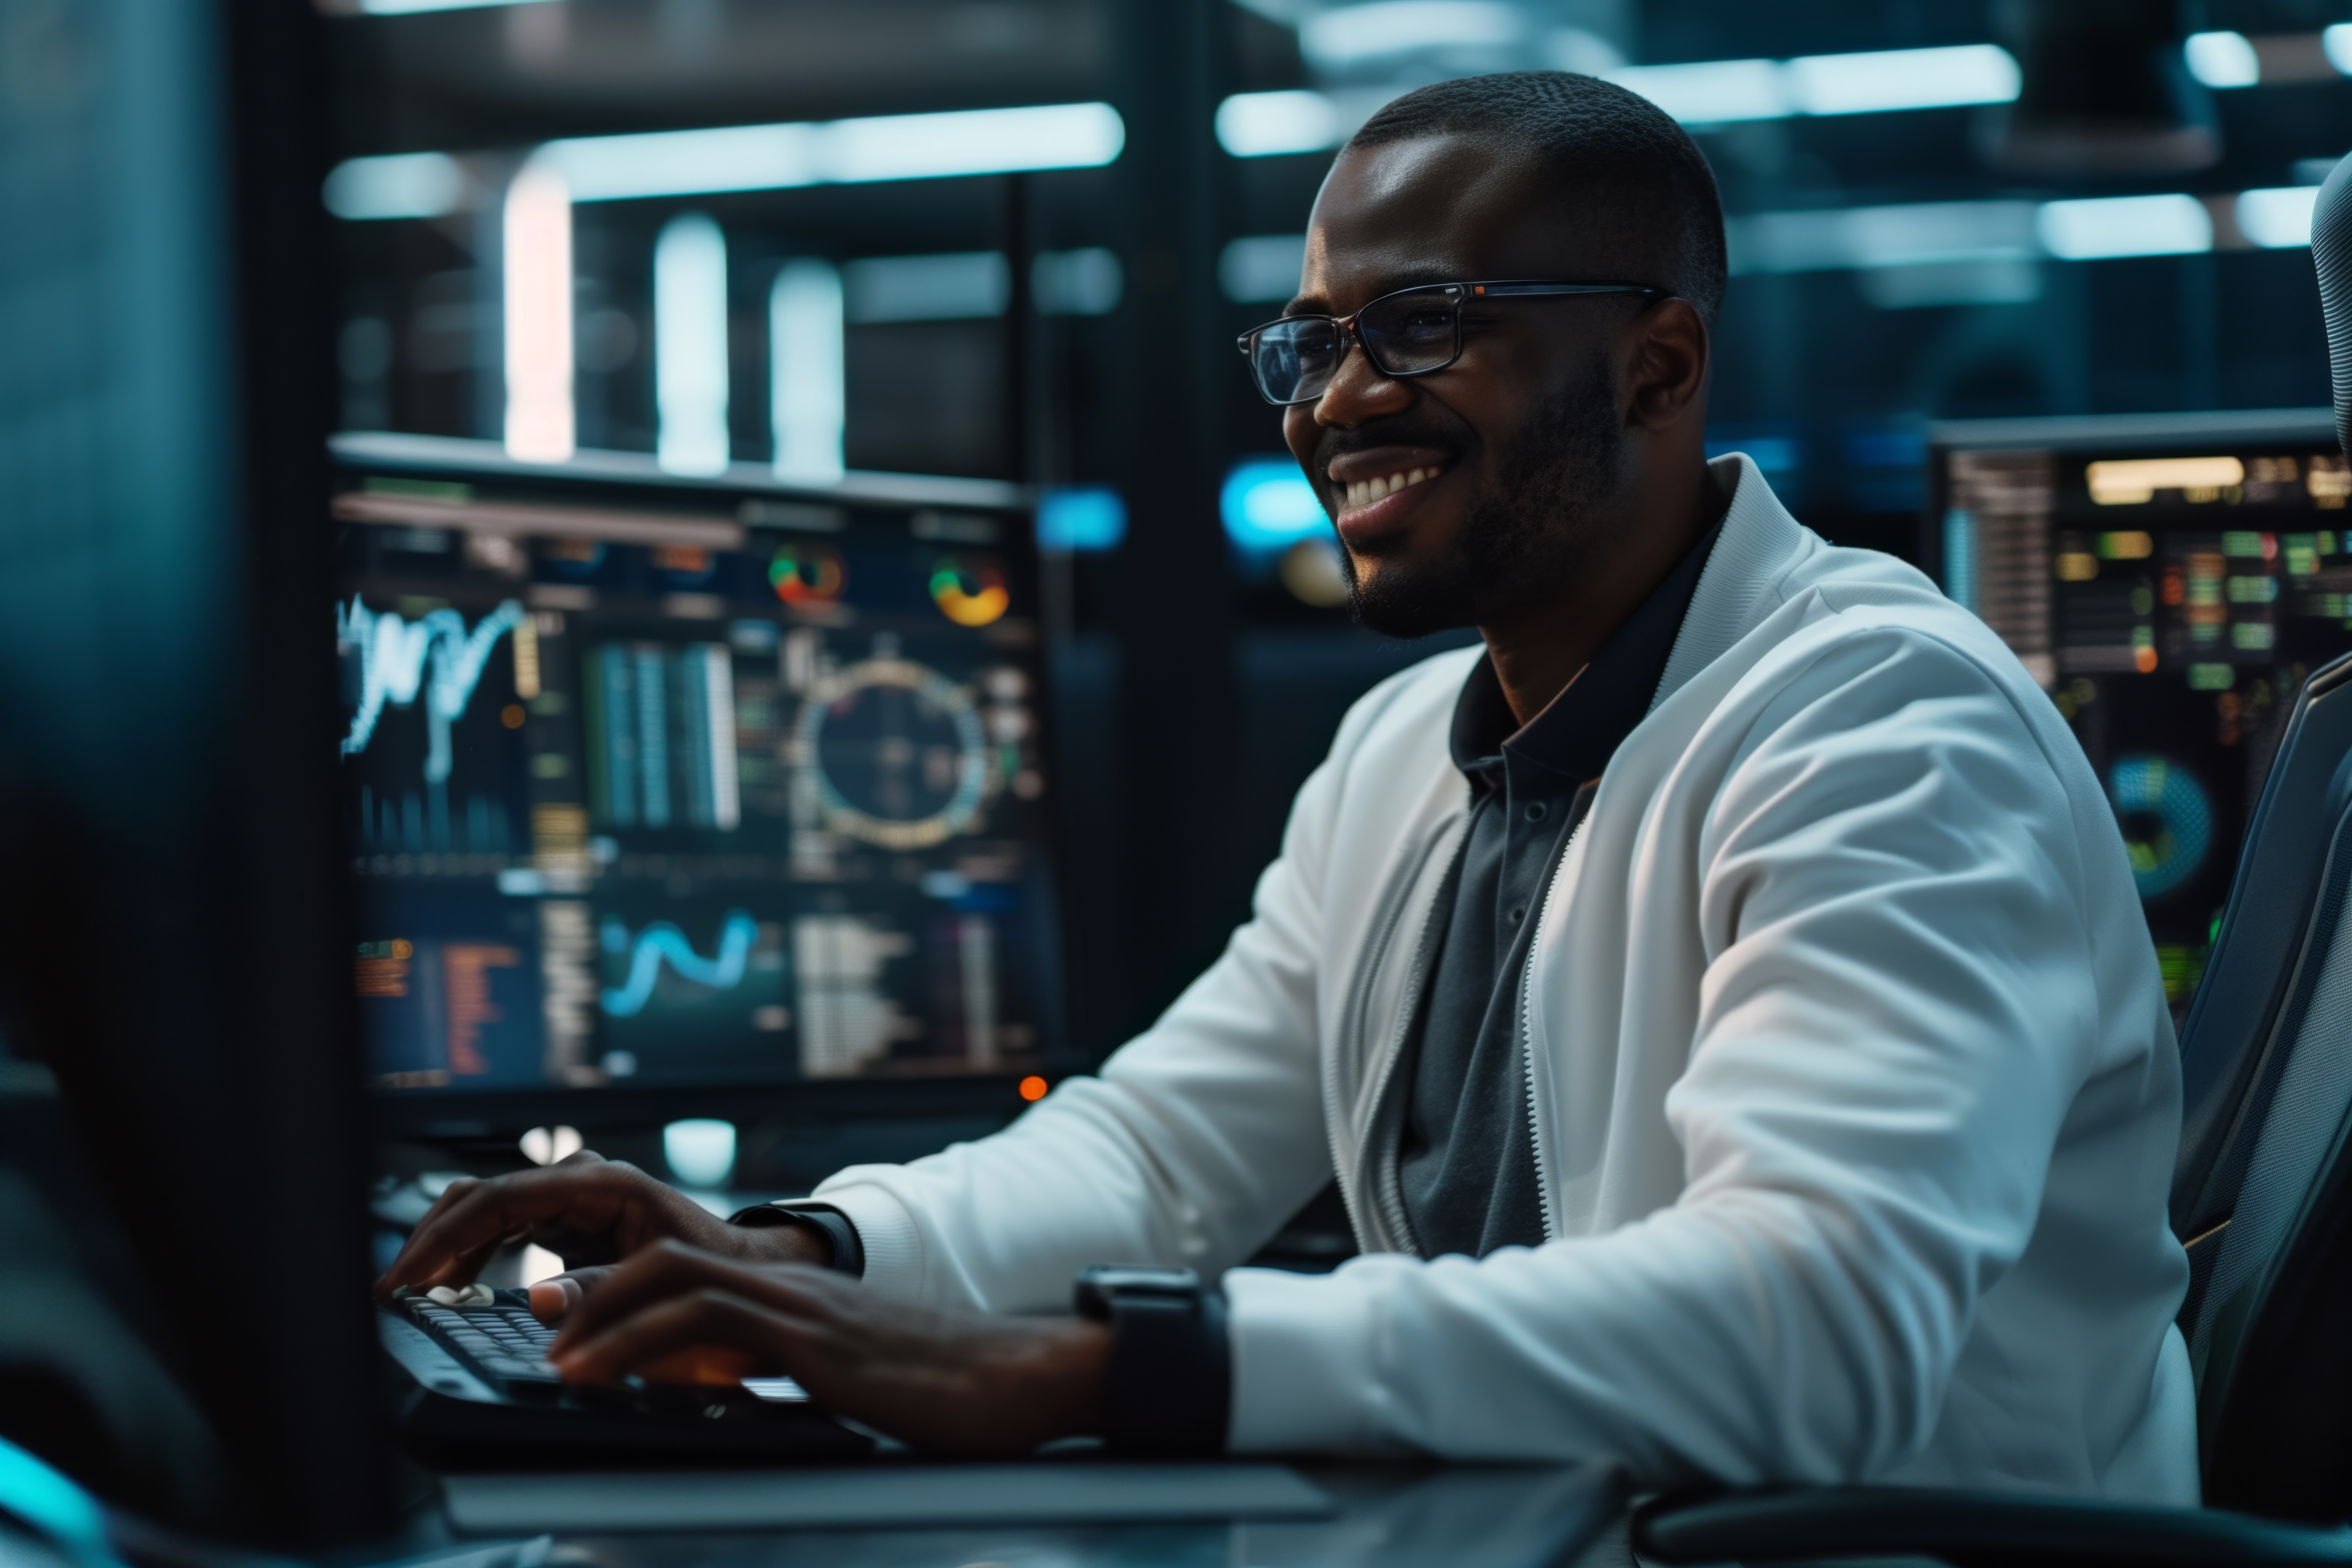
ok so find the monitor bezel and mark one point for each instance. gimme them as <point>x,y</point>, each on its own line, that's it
<point>2242,428</point>
<point>450,1115</point>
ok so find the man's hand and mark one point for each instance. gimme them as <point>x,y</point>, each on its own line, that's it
<point>586,1210</point>
<point>955,1382</point>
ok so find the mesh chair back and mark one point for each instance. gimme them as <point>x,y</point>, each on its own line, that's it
<point>2262,1190</point>
<point>2331,255</point>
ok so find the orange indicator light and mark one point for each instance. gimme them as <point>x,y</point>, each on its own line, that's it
<point>1033,1087</point>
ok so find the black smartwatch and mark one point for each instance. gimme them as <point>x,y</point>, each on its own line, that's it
<point>1170,1389</point>
<point>847,1254</point>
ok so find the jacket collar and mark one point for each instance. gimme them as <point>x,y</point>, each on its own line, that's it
<point>1741,585</point>
<point>1581,728</point>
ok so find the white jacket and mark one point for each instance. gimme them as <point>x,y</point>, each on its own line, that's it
<point>1855,1097</point>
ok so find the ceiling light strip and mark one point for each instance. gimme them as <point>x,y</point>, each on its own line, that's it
<point>757,158</point>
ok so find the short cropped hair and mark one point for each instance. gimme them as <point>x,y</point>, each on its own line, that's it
<point>1616,154</point>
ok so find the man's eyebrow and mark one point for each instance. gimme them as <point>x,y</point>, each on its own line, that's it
<point>1414,277</point>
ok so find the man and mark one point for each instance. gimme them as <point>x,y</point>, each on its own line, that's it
<point>1722,997</point>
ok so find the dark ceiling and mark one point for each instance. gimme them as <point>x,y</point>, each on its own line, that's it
<point>503,76</point>
<point>510,74</point>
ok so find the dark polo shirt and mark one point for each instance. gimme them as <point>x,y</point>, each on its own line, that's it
<point>1467,1158</point>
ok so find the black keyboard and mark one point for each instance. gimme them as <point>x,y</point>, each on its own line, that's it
<point>479,1380</point>
<point>502,1343</point>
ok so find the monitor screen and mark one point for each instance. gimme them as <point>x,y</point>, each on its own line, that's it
<point>2171,581</point>
<point>661,783</point>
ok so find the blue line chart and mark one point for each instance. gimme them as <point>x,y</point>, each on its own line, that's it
<point>435,654</point>
<point>662,942</point>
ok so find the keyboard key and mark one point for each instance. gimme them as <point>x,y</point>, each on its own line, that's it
<point>462,1294</point>
<point>526,1380</point>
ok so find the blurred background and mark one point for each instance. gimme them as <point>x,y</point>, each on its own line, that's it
<point>828,636</point>
<point>1011,239</point>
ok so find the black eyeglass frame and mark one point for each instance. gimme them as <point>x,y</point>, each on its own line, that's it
<point>1457,294</point>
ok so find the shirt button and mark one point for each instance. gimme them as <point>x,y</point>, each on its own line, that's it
<point>1518,913</point>
<point>1535,811</point>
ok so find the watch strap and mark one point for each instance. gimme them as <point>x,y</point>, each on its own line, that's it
<point>849,1254</point>
<point>1169,1388</point>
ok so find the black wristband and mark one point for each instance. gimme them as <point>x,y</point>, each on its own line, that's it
<point>848,1253</point>
<point>1168,1389</point>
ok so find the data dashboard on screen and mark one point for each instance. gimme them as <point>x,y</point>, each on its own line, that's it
<point>2171,581</point>
<point>662,782</point>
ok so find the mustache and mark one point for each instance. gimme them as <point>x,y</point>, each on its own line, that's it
<point>1401,431</point>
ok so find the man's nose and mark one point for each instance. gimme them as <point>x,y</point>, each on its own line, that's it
<point>1359,392</point>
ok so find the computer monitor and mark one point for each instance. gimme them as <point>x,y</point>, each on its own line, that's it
<point>674,796</point>
<point>174,944</point>
<point>2170,580</point>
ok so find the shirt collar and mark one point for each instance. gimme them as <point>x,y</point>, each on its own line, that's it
<point>1579,729</point>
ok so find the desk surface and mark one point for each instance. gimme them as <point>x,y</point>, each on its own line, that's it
<point>1073,1513</point>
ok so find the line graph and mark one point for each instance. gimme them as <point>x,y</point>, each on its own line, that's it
<point>662,942</point>
<point>434,655</point>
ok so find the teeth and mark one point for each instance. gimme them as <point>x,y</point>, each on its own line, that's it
<point>1364,492</point>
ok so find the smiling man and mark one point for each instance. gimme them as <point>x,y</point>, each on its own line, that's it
<point>1720,995</point>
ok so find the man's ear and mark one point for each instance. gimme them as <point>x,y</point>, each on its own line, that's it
<point>1668,364</point>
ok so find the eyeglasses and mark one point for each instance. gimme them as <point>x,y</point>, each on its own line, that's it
<point>1410,333</point>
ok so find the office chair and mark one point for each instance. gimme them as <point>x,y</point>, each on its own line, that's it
<point>2262,1199</point>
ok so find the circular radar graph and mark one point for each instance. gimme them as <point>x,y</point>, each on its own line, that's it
<point>806,572</point>
<point>969,590</point>
<point>897,754</point>
<point>2167,822</point>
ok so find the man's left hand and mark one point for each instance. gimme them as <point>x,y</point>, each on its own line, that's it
<point>955,1382</point>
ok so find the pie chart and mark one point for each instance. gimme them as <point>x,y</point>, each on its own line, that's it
<point>969,590</point>
<point>2166,818</point>
<point>805,572</point>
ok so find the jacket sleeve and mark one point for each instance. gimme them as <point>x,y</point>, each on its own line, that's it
<point>1193,1146</point>
<point>1896,1012</point>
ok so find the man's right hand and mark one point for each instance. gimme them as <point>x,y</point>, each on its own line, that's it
<point>586,1210</point>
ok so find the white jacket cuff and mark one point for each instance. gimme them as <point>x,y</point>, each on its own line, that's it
<point>885,1231</point>
<point>1302,1354</point>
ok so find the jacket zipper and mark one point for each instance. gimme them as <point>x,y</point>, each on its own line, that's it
<point>1386,1206</point>
<point>1388,1192</point>
<point>1527,1035</point>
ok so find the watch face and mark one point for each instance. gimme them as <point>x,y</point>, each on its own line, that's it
<point>1120,1277</point>
<point>1098,1286</point>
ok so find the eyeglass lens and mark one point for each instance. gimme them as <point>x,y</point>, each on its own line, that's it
<point>1411,334</point>
<point>1406,335</point>
<point>1295,359</point>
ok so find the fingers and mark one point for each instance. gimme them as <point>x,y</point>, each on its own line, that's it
<point>552,1299</point>
<point>704,1335</point>
<point>673,1269</point>
<point>473,1218</point>
<point>707,1367</point>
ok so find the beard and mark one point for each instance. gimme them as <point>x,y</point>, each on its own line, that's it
<point>1522,534</point>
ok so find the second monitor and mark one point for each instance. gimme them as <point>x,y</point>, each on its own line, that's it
<point>2171,580</point>
<point>661,783</point>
